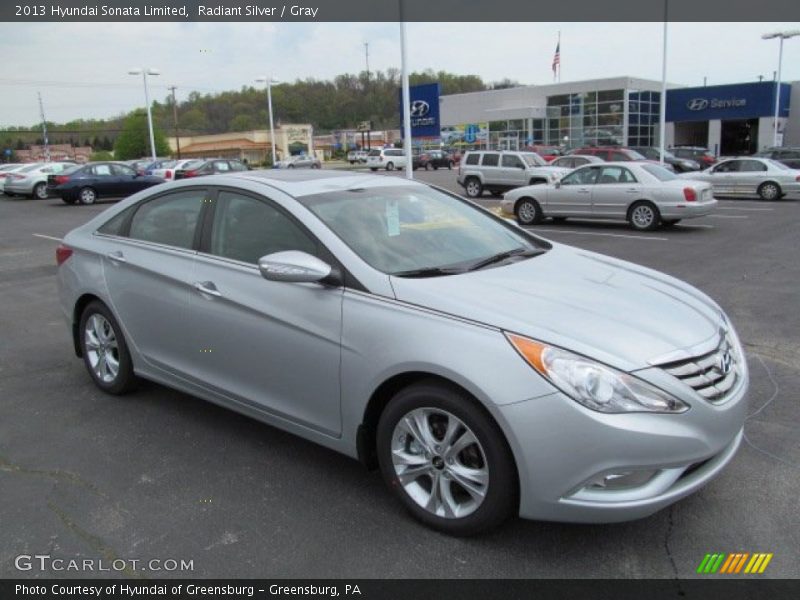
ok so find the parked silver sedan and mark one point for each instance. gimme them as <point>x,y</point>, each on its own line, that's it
<point>299,161</point>
<point>31,181</point>
<point>643,194</point>
<point>751,177</point>
<point>486,371</point>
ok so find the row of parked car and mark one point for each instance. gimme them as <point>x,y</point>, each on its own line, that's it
<point>632,187</point>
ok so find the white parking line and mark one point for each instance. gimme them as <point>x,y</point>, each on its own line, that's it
<point>728,216</point>
<point>47,237</point>
<point>741,208</point>
<point>619,235</point>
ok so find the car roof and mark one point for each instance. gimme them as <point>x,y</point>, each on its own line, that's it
<point>303,182</point>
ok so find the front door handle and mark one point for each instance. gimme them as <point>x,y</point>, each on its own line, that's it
<point>584,191</point>
<point>117,256</point>
<point>207,287</point>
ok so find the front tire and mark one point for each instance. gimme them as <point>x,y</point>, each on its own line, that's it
<point>105,352</point>
<point>390,166</point>
<point>446,460</point>
<point>473,187</point>
<point>528,211</point>
<point>87,196</point>
<point>769,191</point>
<point>644,216</point>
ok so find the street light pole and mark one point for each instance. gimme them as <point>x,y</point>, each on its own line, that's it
<point>662,113</point>
<point>406,98</point>
<point>269,81</point>
<point>781,35</point>
<point>145,72</point>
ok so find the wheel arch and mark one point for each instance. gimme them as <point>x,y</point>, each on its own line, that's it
<point>640,201</point>
<point>379,400</point>
<point>80,305</point>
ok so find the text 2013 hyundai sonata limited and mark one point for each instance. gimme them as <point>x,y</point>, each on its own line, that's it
<point>488,372</point>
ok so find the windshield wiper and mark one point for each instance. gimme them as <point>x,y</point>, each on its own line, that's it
<point>496,258</point>
<point>428,272</point>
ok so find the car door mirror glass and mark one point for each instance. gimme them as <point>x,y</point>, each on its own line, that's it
<point>293,266</point>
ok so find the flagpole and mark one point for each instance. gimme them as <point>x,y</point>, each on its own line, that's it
<point>559,56</point>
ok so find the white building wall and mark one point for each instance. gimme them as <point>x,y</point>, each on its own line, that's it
<point>792,131</point>
<point>714,136</point>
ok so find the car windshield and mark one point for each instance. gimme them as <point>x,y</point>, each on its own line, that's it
<point>415,230</point>
<point>659,172</point>
<point>194,164</point>
<point>636,155</point>
<point>533,160</point>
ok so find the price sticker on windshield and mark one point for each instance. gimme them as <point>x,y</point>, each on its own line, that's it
<point>392,218</point>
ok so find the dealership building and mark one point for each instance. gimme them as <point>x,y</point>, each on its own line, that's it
<point>727,119</point>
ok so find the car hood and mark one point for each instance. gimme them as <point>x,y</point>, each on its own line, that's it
<point>619,313</point>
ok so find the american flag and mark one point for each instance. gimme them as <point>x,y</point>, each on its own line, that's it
<point>557,58</point>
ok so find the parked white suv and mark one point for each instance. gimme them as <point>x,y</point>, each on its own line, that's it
<point>500,171</point>
<point>386,158</point>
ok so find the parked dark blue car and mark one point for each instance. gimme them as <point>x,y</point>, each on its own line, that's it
<point>86,183</point>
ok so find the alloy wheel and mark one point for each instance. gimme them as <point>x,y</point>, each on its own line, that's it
<point>88,196</point>
<point>440,463</point>
<point>769,191</point>
<point>40,191</point>
<point>643,216</point>
<point>101,348</point>
<point>526,212</point>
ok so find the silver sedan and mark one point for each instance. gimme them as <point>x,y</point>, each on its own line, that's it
<point>486,371</point>
<point>750,177</point>
<point>646,195</point>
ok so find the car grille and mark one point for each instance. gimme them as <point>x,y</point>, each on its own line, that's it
<point>712,375</point>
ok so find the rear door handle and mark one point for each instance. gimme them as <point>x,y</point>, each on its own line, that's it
<point>207,287</point>
<point>632,190</point>
<point>584,191</point>
<point>117,256</point>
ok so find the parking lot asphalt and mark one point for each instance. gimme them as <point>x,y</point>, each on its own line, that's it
<point>162,475</point>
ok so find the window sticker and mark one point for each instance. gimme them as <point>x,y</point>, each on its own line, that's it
<point>392,218</point>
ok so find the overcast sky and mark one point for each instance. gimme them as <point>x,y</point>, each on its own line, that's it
<point>81,68</point>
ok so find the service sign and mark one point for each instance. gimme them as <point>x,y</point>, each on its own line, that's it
<point>738,101</point>
<point>424,110</point>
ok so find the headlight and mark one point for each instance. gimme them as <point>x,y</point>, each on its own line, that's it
<point>593,384</point>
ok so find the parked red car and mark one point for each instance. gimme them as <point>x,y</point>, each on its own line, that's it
<point>549,153</point>
<point>617,153</point>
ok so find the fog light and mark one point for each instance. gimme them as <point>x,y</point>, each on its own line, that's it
<point>621,481</point>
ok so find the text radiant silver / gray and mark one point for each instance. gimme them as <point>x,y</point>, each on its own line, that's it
<point>486,371</point>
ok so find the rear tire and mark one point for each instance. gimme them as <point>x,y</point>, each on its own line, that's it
<point>528,211</point>
<point>40,191</point>
<point>87,196</point>
<point>770,191</point>
<point>473,187</point>
<point>644,216</point>
<point>463,486</point>
<point>390,166</point>
<point>104,350</point>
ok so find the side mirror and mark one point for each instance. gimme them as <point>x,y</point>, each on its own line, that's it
<point>297,267</point>
<point>557,184</point>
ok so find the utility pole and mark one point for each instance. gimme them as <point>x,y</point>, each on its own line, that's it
<point>366,50</point>
<point>44,129</point>
<point>175,119</point>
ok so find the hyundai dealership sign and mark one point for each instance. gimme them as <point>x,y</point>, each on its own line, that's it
<point>424,110</point>
<point>739,101</point>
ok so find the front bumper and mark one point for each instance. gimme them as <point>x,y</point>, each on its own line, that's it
<point>562,449</point>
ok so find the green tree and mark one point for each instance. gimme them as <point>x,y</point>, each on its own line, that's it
<point>134,140</point>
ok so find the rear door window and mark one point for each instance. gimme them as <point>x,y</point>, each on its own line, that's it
<point>170,219</point>
<point>490,159</point>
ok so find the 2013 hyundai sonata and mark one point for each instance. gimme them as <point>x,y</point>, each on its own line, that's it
<point>487,371</point>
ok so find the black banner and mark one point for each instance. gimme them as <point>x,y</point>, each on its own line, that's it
<point>377,589</point>
<point>476,11</point>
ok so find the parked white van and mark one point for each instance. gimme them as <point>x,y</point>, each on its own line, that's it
<point>386,158</point>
